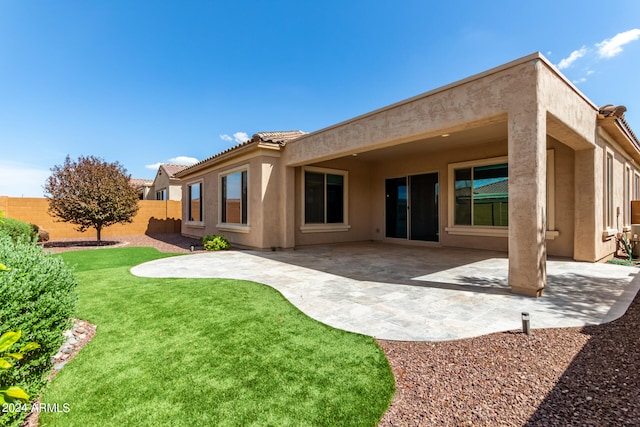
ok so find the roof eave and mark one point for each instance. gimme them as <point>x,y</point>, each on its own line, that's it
<point>227,155</point>
<point>622,134</point>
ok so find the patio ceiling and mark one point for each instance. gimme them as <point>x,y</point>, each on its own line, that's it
<point>454,140</point>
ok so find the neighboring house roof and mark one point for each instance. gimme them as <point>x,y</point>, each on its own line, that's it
<point>501,186</point>
<point>140,182</point>
<point>278,138</point>
<point>171,170</point>
<point>491,189</point>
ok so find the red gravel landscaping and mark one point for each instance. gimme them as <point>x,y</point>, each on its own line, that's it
<point>586,376</point>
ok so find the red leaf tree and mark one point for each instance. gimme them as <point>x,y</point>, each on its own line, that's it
<point>91,193</point>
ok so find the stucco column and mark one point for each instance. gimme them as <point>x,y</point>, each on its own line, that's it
<point>527,146</point>
<point>288,200</point>
<point>588,203</point>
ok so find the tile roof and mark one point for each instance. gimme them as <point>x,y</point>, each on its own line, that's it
<point>278,137</point>
<point>140,182</point>
<point>617,112</point>
<point>173,169</point>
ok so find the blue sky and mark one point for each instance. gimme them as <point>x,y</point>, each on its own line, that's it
<point>149,82</point>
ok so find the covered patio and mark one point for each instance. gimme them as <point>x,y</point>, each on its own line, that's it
<point>412,293</point>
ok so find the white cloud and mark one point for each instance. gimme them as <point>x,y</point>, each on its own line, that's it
<point>17,180</point>
<point>179,160</point>
<point>580,80</point>
<point>183,160</point>
<point>575,55</point>
<point>153,166</point>
<point>240,137</point>
<point>611,47</point>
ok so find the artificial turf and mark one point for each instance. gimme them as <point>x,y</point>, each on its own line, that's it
<point>203,352</point>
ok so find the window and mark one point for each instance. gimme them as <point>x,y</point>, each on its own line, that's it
<point>233,203</point>
<point>481,195</point>
<point>195,202</point>
<point>627,195</point>
<point>161,195</point>
<point>324,196</point>
<point>609,190</point>
<point>636,186</point>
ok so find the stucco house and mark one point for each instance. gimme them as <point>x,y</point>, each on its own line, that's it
<point>142,186</point>
<point>165,184</point>
<point>514,159</point>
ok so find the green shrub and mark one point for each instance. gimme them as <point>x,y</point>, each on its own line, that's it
<point>8,357</point>
<point>213,242</point>
<point>18,230</point>
<point>38,297</point>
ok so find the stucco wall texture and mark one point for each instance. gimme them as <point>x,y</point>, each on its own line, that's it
<point>153,217</point>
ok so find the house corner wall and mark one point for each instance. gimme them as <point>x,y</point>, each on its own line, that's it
<point>527,146</point>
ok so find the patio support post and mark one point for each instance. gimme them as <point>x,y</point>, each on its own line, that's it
<point>527,146</point>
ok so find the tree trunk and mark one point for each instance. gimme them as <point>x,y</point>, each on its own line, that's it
<point>99,231</point>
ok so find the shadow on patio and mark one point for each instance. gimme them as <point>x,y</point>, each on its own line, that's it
<point>384,263</point>
<point>580,291</point>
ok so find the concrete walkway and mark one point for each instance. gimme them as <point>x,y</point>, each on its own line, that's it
<point>415,293</point>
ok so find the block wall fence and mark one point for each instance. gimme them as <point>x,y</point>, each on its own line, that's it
<point>153,217</point>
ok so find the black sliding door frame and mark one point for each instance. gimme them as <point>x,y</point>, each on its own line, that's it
<point>412,207</point>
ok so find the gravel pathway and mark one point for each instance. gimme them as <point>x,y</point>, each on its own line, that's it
<point>555,377</point>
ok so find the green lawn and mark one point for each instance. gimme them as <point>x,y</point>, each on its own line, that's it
<point>204,352</point>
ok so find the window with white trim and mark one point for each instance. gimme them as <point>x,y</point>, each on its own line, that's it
<point>233,198</point>
<point>194,203</point>
<point>481,195</point>
<point>324,196</point>
<point>162,194</point>
<point>479,201</point>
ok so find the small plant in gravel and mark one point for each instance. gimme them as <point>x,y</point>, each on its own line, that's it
<point>214,242</point>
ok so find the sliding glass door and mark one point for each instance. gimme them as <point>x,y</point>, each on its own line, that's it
<point>412,207</point>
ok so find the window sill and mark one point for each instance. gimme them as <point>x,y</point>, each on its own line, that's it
<point>551,234</point>
<point>194,224</point>
<point>478,231</point>
<point>236,228</point>
<point>324,228</point>
<point>491,232</point>
<point>608,233</point>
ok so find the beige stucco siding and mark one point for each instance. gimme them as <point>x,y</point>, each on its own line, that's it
<point>358,205</point>
<point>563,199</point>
<point>262,229</point>
<point>456,107</point>
<point>571,117</point>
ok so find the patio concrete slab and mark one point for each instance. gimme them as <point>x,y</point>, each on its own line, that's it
<point>416,293</point>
